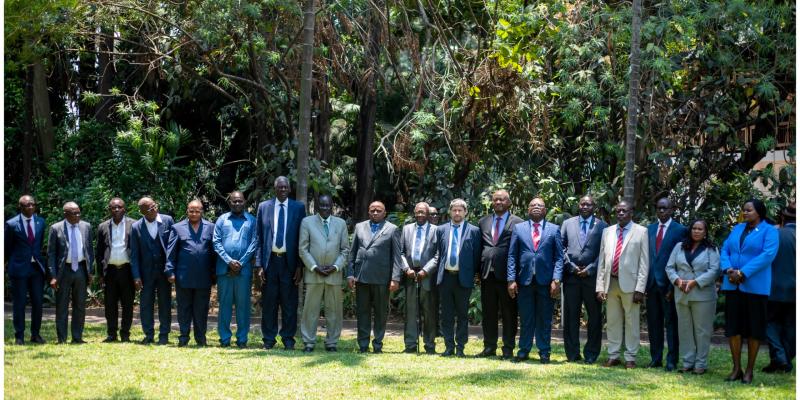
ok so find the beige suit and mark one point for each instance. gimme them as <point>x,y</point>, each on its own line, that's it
<point>318,249</point>
<point>621,311</point>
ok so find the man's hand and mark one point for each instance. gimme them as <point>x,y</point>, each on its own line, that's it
<point>411,274</point>
<point>601,296</point>
<point>54,284</point>
<point>638,297</point>
<point>235,266</point>
<point>554,289</point>
<point>421,275</point>
<point>171,279</point>
<point>320,270</point>
<point>261,275</point>
<point>584,272</point>
<point>393,286</point>
<point>298,276</point>
<point>138,284</point>
<point>512,289</point>
<point>351,282</point>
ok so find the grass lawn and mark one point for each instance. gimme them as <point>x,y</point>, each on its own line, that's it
<point>132,371</point>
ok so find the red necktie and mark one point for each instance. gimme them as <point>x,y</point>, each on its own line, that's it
<point>659,237</point>
<point>617,252</point>
<point>496,234</point>
<point>535,237</point>
<point>31,239</point>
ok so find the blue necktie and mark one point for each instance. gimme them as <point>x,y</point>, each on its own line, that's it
<point>281,227</point>
<point>327,230</point>
<point>418,246</point>
<point>374,228</point>
<point>454,247</point>
<point>583,231</point>
<point>73,247</point>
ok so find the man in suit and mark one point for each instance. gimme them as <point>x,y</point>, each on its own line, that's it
<point>70,259</point>
<point>535,265</point>
<point>149,239</point>
<point>373,255</point>
<point>24,235</point>
<point>661,312</point>
<point>277,233</point>
<point>323,250</point>
<point>190,266</point>
<point>781,324</point>
<point>581,238</point>
<point>458,256</point>
<point>496,231</point>
<point>621,279</point>
<point>235,244</point>
<point>433,215</point>
<point>113,255</point>
<point>418,249</point>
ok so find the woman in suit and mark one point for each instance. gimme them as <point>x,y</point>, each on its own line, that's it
<point>745,261</point>
<point>693,268</point>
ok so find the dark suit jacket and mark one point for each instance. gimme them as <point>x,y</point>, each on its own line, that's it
<point>191,262</point>
<point>547,260</point>
<point>784,265</point>
<point>58,244</point>
<point>675,234</point>
<point>469,257</point>
<point>142,267</point>
<point>577,255</point>
<point>103,249</point>
<point>374,258</point>
<point>264,222</point>
<point>17,249</point>
<point>496,255</point>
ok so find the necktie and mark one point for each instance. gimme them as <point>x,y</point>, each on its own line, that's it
<point>31,239</point>
<point>583,231</point>
<point>325,227</point>
<point>659,237</point>
<point>374,228</point>
<point>281,227</point>
<point>418,246</point>
<point>454,247</point>
<point>617,252</point>
<point>496,234</point>
<point>73,246</point>
<point>535,237</point>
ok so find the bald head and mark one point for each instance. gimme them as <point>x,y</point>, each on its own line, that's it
<point>421,213</point>
<point>27,205</point>
<point>501,202</point>
<point>194,211</point>
<point>377,212</point>
<point>72,213</point>
<point>282,188</point>
<point>148,208</point>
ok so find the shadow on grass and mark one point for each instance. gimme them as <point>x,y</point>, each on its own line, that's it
<point>411,381</point>
<point>127,393</point>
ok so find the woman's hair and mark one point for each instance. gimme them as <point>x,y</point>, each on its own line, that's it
<point>687,243</point>
<point>760,208</point>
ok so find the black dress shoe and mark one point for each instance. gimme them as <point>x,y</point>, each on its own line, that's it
<point>487,353</point>
<point>125,339</point>
<point>78,341</point>
<point>268,346</point>
<point>308,349</point>
<point>448,353</point>
<point>377,351</point>
<point>110,339</point>
<point>363,350</point>
<point>770,368</point>
<point>162,342</point>
<point>545,359</point>
<point>654,364</point>
<point>225,344</point>
<point>241,345</point>
<point>410,350</point>
<point>202,344</point>
<point>61,341</point>
<point>520,358</point>
<point>430,351</point>
<point>670,367</point>
<point>19,341</point>
<point>289,347</point>
<point>37,339</point>
<point>181,343</point>
<point>575,359</point>
<point>146,341</point>
<point>460,353</point>
<point>330,349</point>
<point>589,361</point>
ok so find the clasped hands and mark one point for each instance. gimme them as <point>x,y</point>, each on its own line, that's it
<point>638,297</point>
<point>324,270</point>
<point>513,289</point>
<point>685,285</point>
<point>735,276</point>
<point>580,272</point>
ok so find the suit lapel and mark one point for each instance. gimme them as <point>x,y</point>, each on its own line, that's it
<point>376,235</point>
<point>626,240</point>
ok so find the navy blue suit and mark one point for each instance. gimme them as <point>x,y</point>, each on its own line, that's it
<point>456,288</point>
<point>534,270</point>
<point>278,289</point>
<point>26,270</point>
<point>191,260</point>
<point>781,324</point>
<point>662,314</point>
<point>148,258</point>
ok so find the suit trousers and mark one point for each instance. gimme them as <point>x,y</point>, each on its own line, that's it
<point>661,315</point>
<point>192,304</point>
<point>71,289</point>
<point>372,310</point>
<point>234,290</point>
<point>119,290</point>
<point>622,319</point>
<point>579,292</point>
<point>536,318</point>
<point>157,284</point>
<point>495,302</point>
<point>33,286</point>
<point>695,326</point>
<point>279,291</point>
<point>419,303</point>
<point>319,295</point>
<point>781,332</point>
<point>454,300</point>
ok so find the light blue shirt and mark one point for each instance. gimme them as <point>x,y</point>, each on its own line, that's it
<point>235,239</point>
<point>625,230</point>
<point>503,220</point>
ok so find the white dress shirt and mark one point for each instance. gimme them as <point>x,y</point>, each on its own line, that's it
<point>118,254</point>
<point>152,227</point>
<point>276,249</point>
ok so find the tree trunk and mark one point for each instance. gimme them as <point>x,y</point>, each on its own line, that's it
<point>633,105</point>
<point>42,121</point>
<point>105,71</point>
<point>28,134</point>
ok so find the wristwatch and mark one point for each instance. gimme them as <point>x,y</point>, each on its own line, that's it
<point>557,281</point>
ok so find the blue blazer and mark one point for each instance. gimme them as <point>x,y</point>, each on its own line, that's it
<point>547,261</point>
<point>784,266</point>
<point>191,261</point>
<point>469,258</point>
<point>675,234</point>
<point>142,267</point>
<point>754,258</point>
<point>264,221</point>
<point>18,251</point>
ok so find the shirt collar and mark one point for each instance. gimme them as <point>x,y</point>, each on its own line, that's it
<point>121,222</point>
<point>587,220</point>
<point>626,227</point>
<point>158,219</point>
<point>285,202</point>
<point>425,225</point>
<point>240,216</point>
<point>502,217</point>
<point>666,224</point>
<point>324,220</point>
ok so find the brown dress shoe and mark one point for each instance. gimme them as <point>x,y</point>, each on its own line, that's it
<point>630,364</point>
<point>612,362</point>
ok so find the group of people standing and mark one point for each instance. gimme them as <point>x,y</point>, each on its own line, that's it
<point>521,266</point>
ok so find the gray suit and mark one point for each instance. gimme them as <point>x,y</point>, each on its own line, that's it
<point>372,261</point>
<point>316,250</point>
<point>422,295</point>
<point>71,284</point>
<point>697,308</point>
